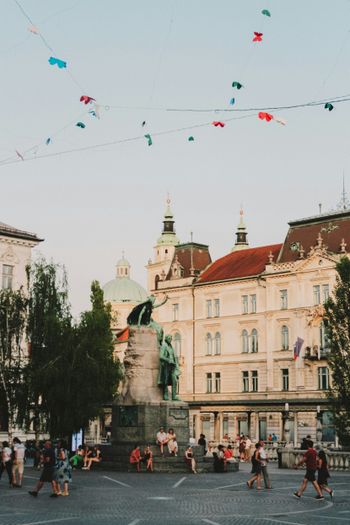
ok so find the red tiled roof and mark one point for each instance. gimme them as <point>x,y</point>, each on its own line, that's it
<point>333,228</point>
<point>200,254</point>
<point>242,263</point>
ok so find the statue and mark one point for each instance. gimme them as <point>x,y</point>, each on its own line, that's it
<point>169,370</point>
<point>141,315</point>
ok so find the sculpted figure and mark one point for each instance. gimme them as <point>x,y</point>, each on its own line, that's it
<point>169,370</point>
<point>141,315</point>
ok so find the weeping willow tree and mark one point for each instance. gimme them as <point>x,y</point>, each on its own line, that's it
<point>13,354</point>
<point>337,321</point>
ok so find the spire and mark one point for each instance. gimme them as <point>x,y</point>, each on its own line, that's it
<point>168,235</point>
<point>344,203</point>
<point>241,235</point>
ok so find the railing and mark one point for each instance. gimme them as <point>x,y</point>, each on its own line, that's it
<point>271,448</point>
<point>337,460</point>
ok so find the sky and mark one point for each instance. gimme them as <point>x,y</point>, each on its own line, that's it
<point>137,59</point>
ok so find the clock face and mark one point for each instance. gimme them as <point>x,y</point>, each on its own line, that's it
<point>295,246</point>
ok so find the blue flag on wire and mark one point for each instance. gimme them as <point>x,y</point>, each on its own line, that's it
<point>297,347</point>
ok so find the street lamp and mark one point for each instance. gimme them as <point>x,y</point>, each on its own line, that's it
<point>318,425</point>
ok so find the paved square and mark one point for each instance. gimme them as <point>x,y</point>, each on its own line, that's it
<point>103,498</point>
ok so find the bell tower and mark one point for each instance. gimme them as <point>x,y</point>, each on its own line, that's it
<point>241,235</point>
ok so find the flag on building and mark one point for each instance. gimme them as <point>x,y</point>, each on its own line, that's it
<point>297,347</point>
<point>122,336</point>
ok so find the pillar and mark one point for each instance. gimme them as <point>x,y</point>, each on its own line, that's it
<point>197,425</point>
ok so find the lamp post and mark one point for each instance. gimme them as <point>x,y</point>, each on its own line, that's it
<point>318,425</point>
<point>286,426</point>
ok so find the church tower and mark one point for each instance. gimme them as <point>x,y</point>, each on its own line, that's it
<point>163,250</point>
<point>241,235</point>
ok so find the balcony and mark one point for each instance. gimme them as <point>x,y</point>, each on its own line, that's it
<point>316,353</point>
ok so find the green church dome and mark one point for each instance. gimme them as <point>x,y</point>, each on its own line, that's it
<point>124,289</point>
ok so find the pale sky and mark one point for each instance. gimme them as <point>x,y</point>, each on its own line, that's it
<point>91,205</point>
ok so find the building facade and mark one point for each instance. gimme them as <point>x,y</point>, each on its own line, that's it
<point>235,323</point>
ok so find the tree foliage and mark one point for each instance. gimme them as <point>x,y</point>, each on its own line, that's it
<point>71,372</point>
<point>337,321</point>
<point>12,353</point>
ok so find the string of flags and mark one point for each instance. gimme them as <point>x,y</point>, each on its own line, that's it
<point>94,112</point>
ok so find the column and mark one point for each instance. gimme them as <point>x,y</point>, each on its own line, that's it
<point>249,424</point>
<point>257,429</point>
<point>197,425</point>
<point>295,429</point>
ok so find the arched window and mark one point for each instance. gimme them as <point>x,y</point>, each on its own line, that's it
<point>156,281</point>
<point>254,340</point>
<point>177,344</point>
<point>217,343</point>
<point>209,344</point>
<point>285,337</point>
<point>245,344</point>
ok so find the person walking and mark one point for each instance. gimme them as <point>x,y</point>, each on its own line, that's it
<point>256,468</point>
<point>323,473</point>
<point>48,473</point>
<point>264,460</point>
<point>18,462</point>
<point>310,460</point>
<point>6,461</point>
<point>63,473</point>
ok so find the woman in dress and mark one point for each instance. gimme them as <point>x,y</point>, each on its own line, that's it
<point>135,457</point>
<point>172,443</point>
<point>95,457</point>
<point>189,459</point>
<point>256,468</point>
<point>63,474</point>
<point>148,458</point>
<point>323,473</point>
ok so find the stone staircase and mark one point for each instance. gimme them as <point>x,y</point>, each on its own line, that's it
<point>117,459</point>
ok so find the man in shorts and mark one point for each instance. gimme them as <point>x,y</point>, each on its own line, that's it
<point>18,462</point>
<point>310,460</point>
<point>48,473</point>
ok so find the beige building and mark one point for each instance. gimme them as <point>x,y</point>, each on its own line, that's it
<point>235,323</point>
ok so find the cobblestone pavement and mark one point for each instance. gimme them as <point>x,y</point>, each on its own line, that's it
<point>106,498</point>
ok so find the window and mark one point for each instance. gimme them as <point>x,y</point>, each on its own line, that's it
<point>254,341</point>
<point>245,341</point>
<point>255,381</point>
<point>244,304</point>
<point>325,291</point>
<point>285,337</point>
<point>324,341</point>
<point>209,383</point>
<point>217,343</point>
<point>177,344</point>
<point>175,312</point>
<point>7,277</point>
<point>217,382</point>
<point>245,378</point>
<point>217,307</point>
<point>253,304</point>
<point>284,299</point>
<point>323,378</point>
<point>209,308</point>
<point>285,379</point>
<point>317,294</point>
<point>209,344</point>
<point>156,281</point>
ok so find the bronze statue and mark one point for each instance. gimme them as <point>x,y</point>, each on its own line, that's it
<point>169,370</point>
<point>141,314</point>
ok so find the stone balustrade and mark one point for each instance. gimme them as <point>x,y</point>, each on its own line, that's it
<point>337,460</point>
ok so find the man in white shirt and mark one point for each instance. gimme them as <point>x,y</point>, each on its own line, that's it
<point>248,444</point>
<point>18,462</point>
<point>161,439</point>
<point>264,460</point>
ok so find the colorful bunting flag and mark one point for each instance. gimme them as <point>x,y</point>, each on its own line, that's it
<point>217,123</point>
<point>85,99</point>
<point>237,85</point>
<point>48,141</point>
<point>149,139</point>
<point>232,101</point>
<point>80,125</point>
<point>265,12</point>
<point>257,37</point>
<point>329,106</point>
<point>33,30</point>
<point>56,61</point>
<point>19,155</point>
<point>265,116</point>
<point>190,139</point>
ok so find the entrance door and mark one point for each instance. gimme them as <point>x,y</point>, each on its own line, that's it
<point>262,429</point>
<point>243,426</point>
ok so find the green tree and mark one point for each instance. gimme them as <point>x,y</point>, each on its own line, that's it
<point>13,356</point>
<point>337,321</point>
